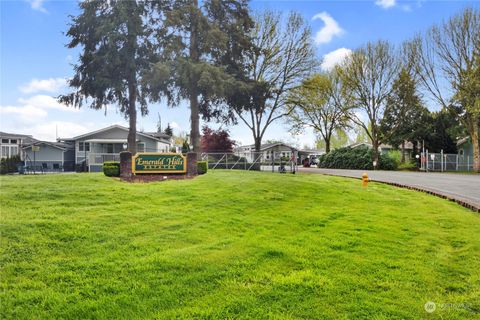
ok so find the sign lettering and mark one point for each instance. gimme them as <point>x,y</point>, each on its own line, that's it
<point>159,163</point>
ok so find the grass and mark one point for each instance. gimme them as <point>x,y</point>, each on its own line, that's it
<point>233,245</point>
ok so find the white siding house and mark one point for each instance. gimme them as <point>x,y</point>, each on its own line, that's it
<point>94,148</point>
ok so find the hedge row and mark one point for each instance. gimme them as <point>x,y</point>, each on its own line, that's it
<point>355,158</point>
<point>10,164</point>
<point>111,168</point>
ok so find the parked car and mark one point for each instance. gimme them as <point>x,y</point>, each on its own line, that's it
<point>314,160</point>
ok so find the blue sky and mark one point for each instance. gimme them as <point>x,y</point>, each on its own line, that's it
<point>34,60</point>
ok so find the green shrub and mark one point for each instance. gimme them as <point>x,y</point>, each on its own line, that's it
<point>396,156</point>
<point>112,163</point>
<point>355,158</point>
<point>407,166</point>
<point>111,168</point>
<point>202,167</point>
<point>10,164</point>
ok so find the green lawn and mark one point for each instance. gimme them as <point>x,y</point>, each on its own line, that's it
<point>233,245</point>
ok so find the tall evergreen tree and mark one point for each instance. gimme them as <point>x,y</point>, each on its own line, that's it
<point>115,53</point>
<point>403,112</point>
<point>201,56</point>
<point>168,130</point>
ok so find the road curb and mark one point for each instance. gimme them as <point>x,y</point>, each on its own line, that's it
<point>464,203</point>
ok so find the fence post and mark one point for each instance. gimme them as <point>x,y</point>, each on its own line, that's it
<point>273,161</point>
<point>441,160</point>
<point>426,162</point>
<point>468,163</point>
<point>226,160</point>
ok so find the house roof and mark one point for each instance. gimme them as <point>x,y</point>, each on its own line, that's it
<point>116,126</point>
<point>268,146</point>
<point>358,144</point>
<point>58,145</point>
<point>463,140</point>
<point>5,134</point>
<point>160,135</point>
<point>408,145</point>
<point>26,138</point>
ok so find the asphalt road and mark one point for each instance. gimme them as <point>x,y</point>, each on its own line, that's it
<point>460,187</point>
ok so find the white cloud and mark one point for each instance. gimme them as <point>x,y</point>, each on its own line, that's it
<point>37,5</point>
<point>47,131</point>
<point>45,102</point>
<point>174,125</point>
<point>24,114</point>
<point>386,4</point>
<point>333,58</point>
<point>330,29</point>
<point>30,111</point>
<point>48,85</point>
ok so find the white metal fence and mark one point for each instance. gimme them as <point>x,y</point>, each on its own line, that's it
<point>258,161</point>
<point>445,162</point>
<point>100,158</point>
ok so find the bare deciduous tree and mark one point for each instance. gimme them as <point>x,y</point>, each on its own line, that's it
<point>284,56</point>
<point>368,74</point>
<point>448,66</point>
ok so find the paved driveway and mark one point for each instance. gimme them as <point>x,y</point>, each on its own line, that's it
<point>460,187</point>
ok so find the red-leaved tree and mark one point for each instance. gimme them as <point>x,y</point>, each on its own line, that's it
<point>216,140</point>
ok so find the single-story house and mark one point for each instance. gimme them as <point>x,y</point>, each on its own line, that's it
<point>268,152</point>
<point>465,154</point>
<point>11,144</point>
<point>92,149</point>
<point>51,156</point>
<point>465,147</point>
<point>385,148</point>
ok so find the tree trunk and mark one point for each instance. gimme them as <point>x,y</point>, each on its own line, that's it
<point>132,88</point>
<point>403,151</point>
<point>194,58</point>
<point>327,145</point>
<point>132,116</point>
<point>258,143</point>
<point>195,123</point>
<point>375,152</point>
<point>476,149</point>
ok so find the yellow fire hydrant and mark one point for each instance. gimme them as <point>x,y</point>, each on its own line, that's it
<point>365,179</point>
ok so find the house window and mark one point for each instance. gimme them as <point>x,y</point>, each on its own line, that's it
<point>14,141</point>
<point>4,141</point>
<point>5,151</point>
<point>13,151</point>
<point>84,146</point>
<point>109,147</point>
<point>141,147</point>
